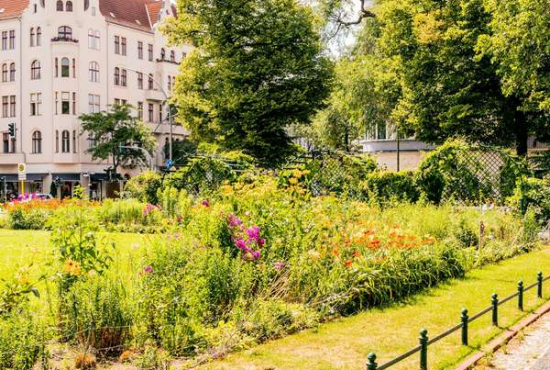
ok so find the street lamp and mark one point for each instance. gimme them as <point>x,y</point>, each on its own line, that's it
<point>166,98</point>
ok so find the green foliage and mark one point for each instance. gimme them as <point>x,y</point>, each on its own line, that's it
<point>111,130</point>
<point>22,341</point>
<point>257,69</point>
<point>202,175</point>
<point>98,314</point>
<point>532,194</point>
<point>28,219</point>
<point>145,187</point>
<point>391,186</point>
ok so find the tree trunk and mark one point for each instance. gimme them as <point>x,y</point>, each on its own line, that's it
<point>522,133</point>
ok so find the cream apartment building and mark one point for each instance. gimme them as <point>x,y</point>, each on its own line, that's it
<point>62,58</point>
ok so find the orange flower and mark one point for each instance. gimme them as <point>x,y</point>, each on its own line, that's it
<point>348,263</point>
<point>356,254</point>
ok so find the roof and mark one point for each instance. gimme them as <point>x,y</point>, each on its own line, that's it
<point>12,8</point>
<point>139,14</point>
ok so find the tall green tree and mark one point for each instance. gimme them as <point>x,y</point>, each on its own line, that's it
<point>119,136</point>
<point>258,68</point>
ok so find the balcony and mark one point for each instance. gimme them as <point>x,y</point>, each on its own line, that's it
<point>165,60</point>
<point>11,158</point>
<point>65,39</point>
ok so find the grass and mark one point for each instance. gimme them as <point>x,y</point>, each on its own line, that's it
<point>390,331</point>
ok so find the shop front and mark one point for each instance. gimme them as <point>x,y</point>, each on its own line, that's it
<point>10,186</point>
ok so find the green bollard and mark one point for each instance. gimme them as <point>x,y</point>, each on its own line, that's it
<point>520,295</point>
<point>371,364</point>
<point>423,339</point>
<point>494,303</point>
<point>539,284</point>
<point>464,318</point>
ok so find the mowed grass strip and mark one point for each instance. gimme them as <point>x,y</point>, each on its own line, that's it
<point>390,331</point>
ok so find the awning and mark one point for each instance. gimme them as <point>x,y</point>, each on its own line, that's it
<point>66,176</point>
<point>30,177</point>
<point>98,177</point>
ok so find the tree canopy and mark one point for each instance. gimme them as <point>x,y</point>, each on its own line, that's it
<point>257,68</point>
<point>120,136</point>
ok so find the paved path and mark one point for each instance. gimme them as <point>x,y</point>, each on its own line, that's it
<point>530,351</point>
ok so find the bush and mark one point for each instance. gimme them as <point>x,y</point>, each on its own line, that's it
<point>22,341</point>
<point>145,187</point>
<point>532,193</point>
<point>386,186</point>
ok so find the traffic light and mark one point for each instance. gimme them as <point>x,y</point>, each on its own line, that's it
<point>11,129</point>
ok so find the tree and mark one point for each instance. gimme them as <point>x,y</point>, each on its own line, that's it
<point>519,47</point>
<point>257,69</point>
<point>120,136</point>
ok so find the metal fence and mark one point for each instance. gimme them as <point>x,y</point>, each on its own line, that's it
<point>465,320</point>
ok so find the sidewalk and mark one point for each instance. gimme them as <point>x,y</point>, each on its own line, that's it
<point>530,351</point>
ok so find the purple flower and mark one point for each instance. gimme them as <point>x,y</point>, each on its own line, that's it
<point>279,266</point>
<point>256,255</point>
<point>234,221</point>
<point>148,270</point>
<point>261,242</point>
<point>205,203</point>
<point>253,233</point>
<point>241,244</point>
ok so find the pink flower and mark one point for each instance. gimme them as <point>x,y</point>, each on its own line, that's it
<point>205,203</point>
<point>148,270</point>
<point>279,266</point>
<point>234,221</point>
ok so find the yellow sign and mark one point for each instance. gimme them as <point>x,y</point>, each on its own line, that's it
<point>22,171</point>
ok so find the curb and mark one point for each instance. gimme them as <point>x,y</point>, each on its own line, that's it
<point>504,338</point>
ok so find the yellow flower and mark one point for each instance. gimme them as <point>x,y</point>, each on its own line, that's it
<point>293,181</point>
<point>297,173</point>
<point>72,268</point>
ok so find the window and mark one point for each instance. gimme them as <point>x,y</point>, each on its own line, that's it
<point>36,142</point>
<point>12,39</point>
<point>140,50</point>
<point>92,142</point>
<point>93,39</point>
<point>5,40</point>
<point>65,67</point>
<point>117,45</point>
<point>94,72</point>
<point>151,112</point>
<point>35,70</point>
<point>151,82</point>
<point>123,78</point>
<point>162,54</point>
<point>74,141</point>
<point>94,105</point>
<point>150,52</point>
<point>169,83</point>
<point>65,33</point>
<point>86,4</point>
<point>12,106</point>
<point>123,45</point>
<point>59,6</point>
<point>36,104</point>
<point>65,103</point>
<point>8,106</point>
<point>12,72</point>
<point>5,72</point>
<point>160,113</point>
<point>74,103</point>
<point>56,141</point>
<point>56,102</point>
<point>32,36</point>
<point>56,67</point>
<point>5,106</point>
<point>38,36</point>
<point>6,137</point>
<point>65,142</point>
<point>173,56</point>
<point>117,76</point>
<point>69,6</point>
<point>140,110</point>
<point>74,68</point>
<point>140,80</point>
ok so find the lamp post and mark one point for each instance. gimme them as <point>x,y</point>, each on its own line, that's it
<point>167,106</point>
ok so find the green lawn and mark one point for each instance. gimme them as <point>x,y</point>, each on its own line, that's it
<point>391,331</point>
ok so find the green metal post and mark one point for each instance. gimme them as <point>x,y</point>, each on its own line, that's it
<point>371,364</point>
<point>423,339</point>
<point>494,303</point>
<point>520,295</point>
<point>464,318</point>
<point>539,284</point>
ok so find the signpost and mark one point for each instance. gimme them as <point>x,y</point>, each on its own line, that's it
<point>22,176</point>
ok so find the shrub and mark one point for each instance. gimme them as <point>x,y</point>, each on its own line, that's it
<point>145,187</point>
<point>22,341</point>
<point>385,186</point>
<point>532,193</point>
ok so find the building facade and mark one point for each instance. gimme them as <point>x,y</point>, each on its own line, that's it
<point>62,58</point>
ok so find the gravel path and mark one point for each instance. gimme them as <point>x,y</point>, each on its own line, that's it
<point>530,351</point>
